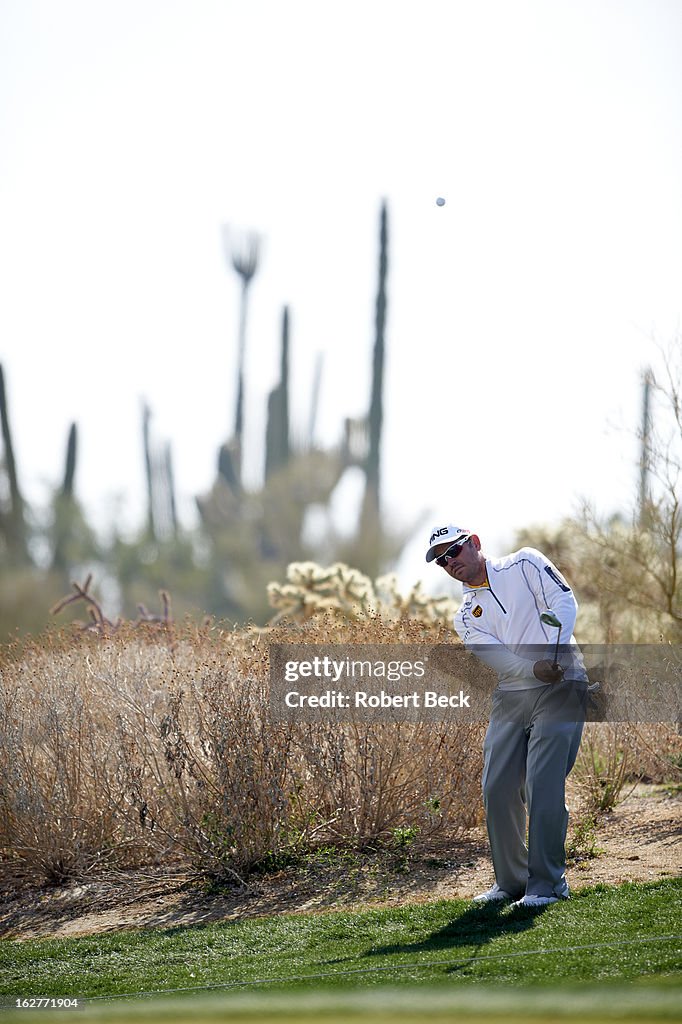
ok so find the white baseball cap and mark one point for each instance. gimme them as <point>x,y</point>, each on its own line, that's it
<point>443,535</point>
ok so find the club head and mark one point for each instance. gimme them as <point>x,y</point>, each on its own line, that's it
<point>550,619</point>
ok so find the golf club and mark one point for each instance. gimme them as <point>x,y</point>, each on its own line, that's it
<point>550,619</point>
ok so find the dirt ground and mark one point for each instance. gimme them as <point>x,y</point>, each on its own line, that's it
<point>639,841</point>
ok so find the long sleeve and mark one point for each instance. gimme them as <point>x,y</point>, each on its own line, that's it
<point>551,591</point>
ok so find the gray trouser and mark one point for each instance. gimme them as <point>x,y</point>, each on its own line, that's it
<point>530,747</point>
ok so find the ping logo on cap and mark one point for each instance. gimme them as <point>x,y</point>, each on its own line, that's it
<point>438,533</point>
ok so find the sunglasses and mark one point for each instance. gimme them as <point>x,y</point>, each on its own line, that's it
<point>452,552</point>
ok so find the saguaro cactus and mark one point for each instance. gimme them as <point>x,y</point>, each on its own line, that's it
<point>149,471</point>
<point>244,259</point>
<point>70,467</point>
<point>66,513</point>
<point>315,399</point>
<point>162,515</point>
<point>376,409</point>
<point>15,519</point>
<point>170,486</point>
<point>277,448</point>
<point>371,511</point>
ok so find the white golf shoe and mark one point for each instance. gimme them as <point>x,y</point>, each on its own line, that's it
<point>494,895</point>
<point>535,901</point>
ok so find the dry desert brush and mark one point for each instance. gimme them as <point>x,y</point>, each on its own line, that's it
<point>134,748</point>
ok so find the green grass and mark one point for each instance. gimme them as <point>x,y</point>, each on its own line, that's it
<point>384,1005</point>
<point>335,957</point>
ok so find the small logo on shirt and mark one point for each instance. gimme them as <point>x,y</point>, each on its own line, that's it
<point>477,612</point>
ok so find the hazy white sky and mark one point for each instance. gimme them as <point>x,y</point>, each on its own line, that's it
<point>520,314</point>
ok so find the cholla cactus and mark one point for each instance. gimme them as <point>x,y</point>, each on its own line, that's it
<point>310,588</point>
<point>415,605</point>
<point>348,593</point>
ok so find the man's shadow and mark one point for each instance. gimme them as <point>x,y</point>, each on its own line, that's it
<point>472,930</point>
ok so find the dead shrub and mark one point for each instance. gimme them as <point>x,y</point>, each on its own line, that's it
<point>616,755</point>
<point>124,750</point>
<point>60,807</point>
<point>370,779</point>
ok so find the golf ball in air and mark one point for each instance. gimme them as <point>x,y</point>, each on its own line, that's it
<point>440,201</point>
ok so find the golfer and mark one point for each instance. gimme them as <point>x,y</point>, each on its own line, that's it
<point>537,712</point>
